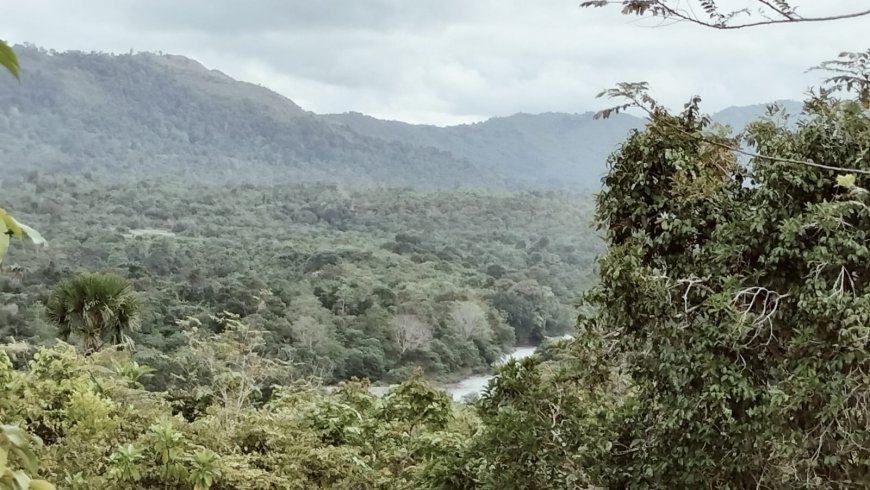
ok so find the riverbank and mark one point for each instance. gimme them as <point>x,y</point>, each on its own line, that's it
<point>474,384</point>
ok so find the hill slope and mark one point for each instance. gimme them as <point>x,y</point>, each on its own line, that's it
<point>146,115</point>
<point>551,149</point>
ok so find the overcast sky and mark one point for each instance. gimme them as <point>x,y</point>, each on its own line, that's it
<point>449,61</point>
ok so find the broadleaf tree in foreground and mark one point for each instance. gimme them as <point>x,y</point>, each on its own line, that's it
<point>726,344</point>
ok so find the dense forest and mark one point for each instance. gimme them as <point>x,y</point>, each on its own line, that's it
<point>333,274</point>
<point>183,333</point>
<point>725,344</point>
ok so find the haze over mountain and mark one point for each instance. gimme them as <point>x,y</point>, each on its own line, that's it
<point>162,115</point>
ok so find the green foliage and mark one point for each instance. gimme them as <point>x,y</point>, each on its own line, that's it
<point>322,271</point>
<point>725,345</point>
<point>10,228</point>
<point>101,432</point>
<point>15,448</point>
<point>97,308</point>
<point>735,310</point>
<point>417,403</point>
<point>168,443</point>
<point>9,60</point>
<point>125,464</point>
<point>204,469</point>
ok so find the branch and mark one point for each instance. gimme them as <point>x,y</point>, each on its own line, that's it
<point>719,20</point>
<point>787,13</point>
<point>776,159</point>
<point>790,21</point>
<point>637,96</point>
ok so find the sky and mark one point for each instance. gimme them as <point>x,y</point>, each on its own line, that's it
<point>450,61</point>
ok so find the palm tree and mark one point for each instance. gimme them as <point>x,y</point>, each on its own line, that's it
<point>96,308</point>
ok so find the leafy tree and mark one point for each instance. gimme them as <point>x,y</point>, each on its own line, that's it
<point>227,367</point>
<point>96,308</point>
<point>735,309</point>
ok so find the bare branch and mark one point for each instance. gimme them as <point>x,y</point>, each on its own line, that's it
<point>773,12</point>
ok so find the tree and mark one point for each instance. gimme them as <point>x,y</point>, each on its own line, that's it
<point>96,308</point>
<point>738,312</point>
<point>229,364</point>
<point>470,320</point>
<point>713,16</point>
<point>411,333</point>
<point>308,332</point>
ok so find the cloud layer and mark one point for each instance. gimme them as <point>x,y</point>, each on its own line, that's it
<point>448,61</point>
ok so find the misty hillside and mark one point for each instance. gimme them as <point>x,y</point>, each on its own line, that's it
<point>145,115</point>
<point>149,115</point>
<point>549,149</point>
<point>739,117</point>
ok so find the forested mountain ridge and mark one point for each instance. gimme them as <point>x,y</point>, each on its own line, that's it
<point>551,149</point>
<point>149,115</point>
<point>548,149</point>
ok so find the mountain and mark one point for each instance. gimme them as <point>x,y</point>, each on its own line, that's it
<point>145,115</point>
<point>551,149</point>
<point>739,117</point>
<point>155,115</point>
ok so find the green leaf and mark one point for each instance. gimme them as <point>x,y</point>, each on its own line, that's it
<point>847,181</point>
<point>8,59</point>
<point>15,436</point>
<point>4,243</point>
<point>27,458</point>
<point>21,480</point>
<point>27,232</point>
<point>41,485</point>
<point>10,225</point>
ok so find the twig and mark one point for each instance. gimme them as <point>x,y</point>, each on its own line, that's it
<point>666,11</point>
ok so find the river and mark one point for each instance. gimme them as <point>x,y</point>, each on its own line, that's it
<point>473,384</point>
<point>476,384</point>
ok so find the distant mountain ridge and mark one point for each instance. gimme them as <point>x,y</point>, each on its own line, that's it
<point>551,149</point>
<point>147,115</point>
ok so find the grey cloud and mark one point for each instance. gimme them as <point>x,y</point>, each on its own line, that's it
<point>233,17</point>
<point>447,61</point>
